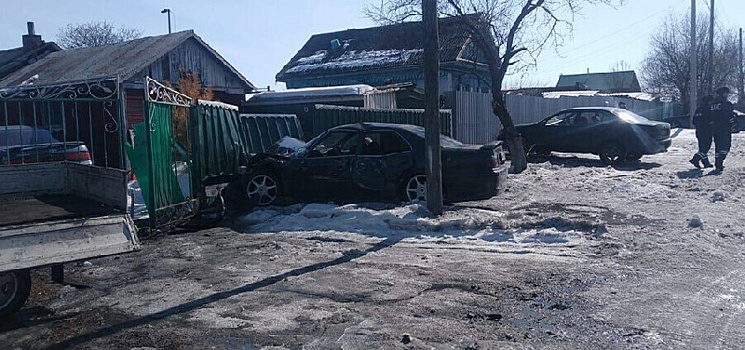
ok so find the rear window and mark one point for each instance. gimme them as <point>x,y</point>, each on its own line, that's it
<point>444,140</point>
<point>630,117</point>
<point>24,136</point>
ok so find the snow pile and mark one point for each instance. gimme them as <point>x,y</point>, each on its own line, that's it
<point>355,59</point>
<point>315,58</point>
<point>411,223</point>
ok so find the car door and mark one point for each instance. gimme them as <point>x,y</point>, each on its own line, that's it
<point>325,172</point>
<point>383,158</point>
<point>557,130</point>
<point>583,133</point>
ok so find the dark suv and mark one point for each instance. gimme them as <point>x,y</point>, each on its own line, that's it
<point>614,134</point>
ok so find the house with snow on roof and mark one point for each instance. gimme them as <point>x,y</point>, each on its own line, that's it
<point>387,55</point>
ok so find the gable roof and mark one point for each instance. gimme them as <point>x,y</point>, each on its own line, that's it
<point>123,59</point>
<point>14,59</point>
<point>610,82</point>
<point>388,46</point>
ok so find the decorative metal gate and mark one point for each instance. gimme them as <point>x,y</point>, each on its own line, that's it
<point>77,121</point>
<point>166,170</point>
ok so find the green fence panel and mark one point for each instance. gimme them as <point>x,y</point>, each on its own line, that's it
<point>223,139</point>
<point>155,165</point>
<point>167,191</point>
<point>266,129</point>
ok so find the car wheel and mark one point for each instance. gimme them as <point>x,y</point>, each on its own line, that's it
<point>612,153</point>
<point>14,289</point>
<point>415,188</point>
<point>262,189</point>
<point>540,151</point>
<point>633,157</point>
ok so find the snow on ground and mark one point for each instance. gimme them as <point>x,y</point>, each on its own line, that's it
<point>410,224</point>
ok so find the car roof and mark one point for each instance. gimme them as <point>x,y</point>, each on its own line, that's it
<point>610,109</point>
<point>377,127</point>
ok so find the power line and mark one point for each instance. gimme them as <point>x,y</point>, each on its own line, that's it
<point>629,26</point>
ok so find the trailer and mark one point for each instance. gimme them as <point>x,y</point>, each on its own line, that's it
<point>55,213</point>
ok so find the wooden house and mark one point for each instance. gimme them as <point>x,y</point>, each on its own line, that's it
<point>162,57</point>
<point>387,55</point>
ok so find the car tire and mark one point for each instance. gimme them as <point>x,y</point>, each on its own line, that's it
<point>612,153</point>
<point>414,188</point>
<point>262,189</point>
<point>14,290</point>
<point>634,157</point>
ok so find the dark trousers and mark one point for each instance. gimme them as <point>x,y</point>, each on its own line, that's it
<point>704,137</point>
<point>722,140</point>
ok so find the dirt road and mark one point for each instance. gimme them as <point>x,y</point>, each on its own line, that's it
<point>575,255</point>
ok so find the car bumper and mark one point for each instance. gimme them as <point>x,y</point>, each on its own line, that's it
<point>478,187</point>
<point>661,146</point>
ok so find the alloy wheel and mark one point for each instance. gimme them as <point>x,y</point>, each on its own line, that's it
<point>416,188</point>
<point>262,189</point>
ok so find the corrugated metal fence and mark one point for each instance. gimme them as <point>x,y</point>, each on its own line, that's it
<point>223,138</point>
<point>474,122</point>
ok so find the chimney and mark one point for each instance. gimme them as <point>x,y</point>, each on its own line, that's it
<point>31,40</point>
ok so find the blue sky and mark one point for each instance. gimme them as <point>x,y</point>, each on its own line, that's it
<point>259,36</point>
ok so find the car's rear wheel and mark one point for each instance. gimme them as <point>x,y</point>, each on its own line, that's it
<point>415,188</point>
<point>612,153</point>
<point>14,290</point>
<point>262,189</point>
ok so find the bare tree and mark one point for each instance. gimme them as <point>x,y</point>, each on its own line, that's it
<point>510,33</point>
<point>620,66</point>
<point>92,34</point>
<point>666,69</point>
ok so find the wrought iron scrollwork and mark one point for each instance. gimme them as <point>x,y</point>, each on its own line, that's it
<point>100,89</point>
<point>112,125</point>
<point>157,92</point>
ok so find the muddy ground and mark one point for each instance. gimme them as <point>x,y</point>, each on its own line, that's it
<point>612,262</point>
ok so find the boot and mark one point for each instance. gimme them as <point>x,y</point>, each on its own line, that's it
<point>705,162</point>
<point>719,160</point>
<point>696,161</point>
<point>719,163</point>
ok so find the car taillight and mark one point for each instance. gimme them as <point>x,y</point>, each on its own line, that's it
<point>78,157</point>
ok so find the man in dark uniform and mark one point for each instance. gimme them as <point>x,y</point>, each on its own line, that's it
<point>722,116</point>
<point>702,121</point>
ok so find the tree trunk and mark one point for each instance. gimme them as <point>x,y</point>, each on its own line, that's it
<point>514,141</point>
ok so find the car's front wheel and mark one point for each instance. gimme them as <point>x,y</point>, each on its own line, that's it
<point>415,188</point>
<point>14,290</point>
<point>262,189</point>
<point>612,153</point>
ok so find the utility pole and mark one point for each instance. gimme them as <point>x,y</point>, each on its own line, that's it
<point>432,106</point>
<point>710,78</point>
<point>741,87</point>
<point>694,66</point>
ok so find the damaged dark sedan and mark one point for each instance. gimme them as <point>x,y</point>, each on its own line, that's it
<point>371,162</point>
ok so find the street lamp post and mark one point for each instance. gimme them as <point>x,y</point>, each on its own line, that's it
<point>168,11</point>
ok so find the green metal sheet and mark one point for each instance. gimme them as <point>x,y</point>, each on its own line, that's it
<point>223,139</point>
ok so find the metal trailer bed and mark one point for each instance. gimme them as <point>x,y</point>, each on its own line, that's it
<point>54,213</point>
